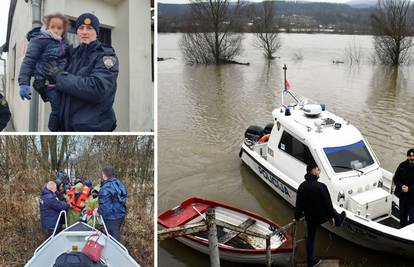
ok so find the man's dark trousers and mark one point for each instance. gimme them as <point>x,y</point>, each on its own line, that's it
<point>310,241</point>
<point>114,227</point>
<point>406,212</point>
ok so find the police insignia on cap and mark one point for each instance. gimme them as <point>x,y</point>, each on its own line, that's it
<point>87,21</point>
<point>109,62</point>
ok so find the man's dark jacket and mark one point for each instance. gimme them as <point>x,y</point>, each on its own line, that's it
<point>313,201</point>
<point>88,89</point>
<point>404,175</point>
<point>50,207</point>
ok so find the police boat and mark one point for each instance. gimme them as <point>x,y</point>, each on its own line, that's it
<point>302,133</point>
<point>64,248</point>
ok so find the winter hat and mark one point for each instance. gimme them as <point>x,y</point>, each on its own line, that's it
<point>78,187</point>
<point>410,151</point>
<point>58,182</point>
<point>88,183</point>
<point>88,19</point>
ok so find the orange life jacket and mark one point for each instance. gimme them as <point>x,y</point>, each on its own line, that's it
<point>264,138</point>
<point>82,197</point>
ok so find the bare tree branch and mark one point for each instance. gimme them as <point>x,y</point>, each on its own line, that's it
<point>212,37</point>
<point>392,25</point>
<point>265,28</point>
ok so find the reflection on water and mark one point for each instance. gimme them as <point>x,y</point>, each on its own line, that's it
<point>204,110</point>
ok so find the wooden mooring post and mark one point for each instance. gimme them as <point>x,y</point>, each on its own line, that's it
<point>210,225</point>
<point>212,238</point>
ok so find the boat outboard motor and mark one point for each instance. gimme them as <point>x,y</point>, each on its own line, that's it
<point>254,133</point>
<point>268,128</point>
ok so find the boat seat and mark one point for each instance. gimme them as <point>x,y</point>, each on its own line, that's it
<point>232,234</point>
<point>184,215</point>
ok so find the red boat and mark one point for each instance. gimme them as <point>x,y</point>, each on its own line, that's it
<point>233,246</point>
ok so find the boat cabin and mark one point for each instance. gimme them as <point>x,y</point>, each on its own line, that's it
<point>308,133</point>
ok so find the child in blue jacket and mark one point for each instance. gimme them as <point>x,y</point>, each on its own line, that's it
<point>45,44</point>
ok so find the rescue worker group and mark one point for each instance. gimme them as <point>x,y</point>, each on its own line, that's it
<point>84,202</point>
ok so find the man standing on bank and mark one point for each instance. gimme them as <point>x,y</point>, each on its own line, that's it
<point>313,201</point>
<point>88,84</point>
<point>112,202</point>
<point>404,188</point>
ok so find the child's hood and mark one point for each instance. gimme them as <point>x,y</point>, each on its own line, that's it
<point>35,32</point>
<point>40,32</point>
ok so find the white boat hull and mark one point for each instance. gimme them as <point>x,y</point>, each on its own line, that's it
<point>113,254</point>
<point>356,229</point>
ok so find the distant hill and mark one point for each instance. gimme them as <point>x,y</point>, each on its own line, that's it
<point>351,17</point>
<point>173,9</point>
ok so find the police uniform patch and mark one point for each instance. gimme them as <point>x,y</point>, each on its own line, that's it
<point>109,62</point>
<point>3,102</point>
<point>87,21</point>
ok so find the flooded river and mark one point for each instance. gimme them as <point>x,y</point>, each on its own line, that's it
<point>204,111</point>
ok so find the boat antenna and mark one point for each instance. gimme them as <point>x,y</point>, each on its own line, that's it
<point>284,83</point>
<point>286,89</point>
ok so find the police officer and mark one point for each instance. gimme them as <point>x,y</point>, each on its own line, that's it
<point>404,188</point>
<point>88,84</point>
<point>4,113</point>
<point>112,201</point>
<point>50,207</point>
<point>313,201</point>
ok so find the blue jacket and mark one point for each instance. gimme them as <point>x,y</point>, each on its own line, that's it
<point>88,89</point>
<point>50,207</point>
<point>4,113</point>
<point>112,199</point>
<point>42,48</point>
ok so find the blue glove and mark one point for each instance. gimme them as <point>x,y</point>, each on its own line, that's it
<point>25,92</point>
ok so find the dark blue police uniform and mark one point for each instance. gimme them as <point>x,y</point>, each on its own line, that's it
<point>50,207</point>
<point>88,87</point>
<point>4,113</point>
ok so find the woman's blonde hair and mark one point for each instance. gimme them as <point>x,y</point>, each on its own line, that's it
<point>65,20</point>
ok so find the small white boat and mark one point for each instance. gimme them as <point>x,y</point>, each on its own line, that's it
<point>114,253</point>
<point>303,133</point>
<point>232,246</point>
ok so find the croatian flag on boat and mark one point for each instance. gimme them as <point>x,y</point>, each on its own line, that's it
<point>287,85</point>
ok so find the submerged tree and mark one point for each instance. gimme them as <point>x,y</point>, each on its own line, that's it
<point>212,36</point>
<point>264,26</point>
<point>392,24</point>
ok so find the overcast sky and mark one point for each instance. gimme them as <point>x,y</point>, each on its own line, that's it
<point>4,13</point>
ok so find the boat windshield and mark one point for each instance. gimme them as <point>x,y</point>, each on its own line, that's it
<point>350,157</point>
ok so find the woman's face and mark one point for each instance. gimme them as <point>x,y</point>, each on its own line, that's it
<point>56,26</point>
<point>86,34</point>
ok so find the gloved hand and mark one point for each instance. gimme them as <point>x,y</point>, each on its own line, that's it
<point>51,71</point>
<point>25,92</point>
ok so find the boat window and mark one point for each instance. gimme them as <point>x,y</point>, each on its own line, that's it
<point>349,157</point>
<point>295,148</point>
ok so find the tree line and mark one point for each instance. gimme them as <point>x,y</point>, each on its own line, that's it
<point>213,29</point>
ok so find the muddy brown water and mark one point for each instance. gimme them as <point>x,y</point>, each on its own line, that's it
<point>203,112</point>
